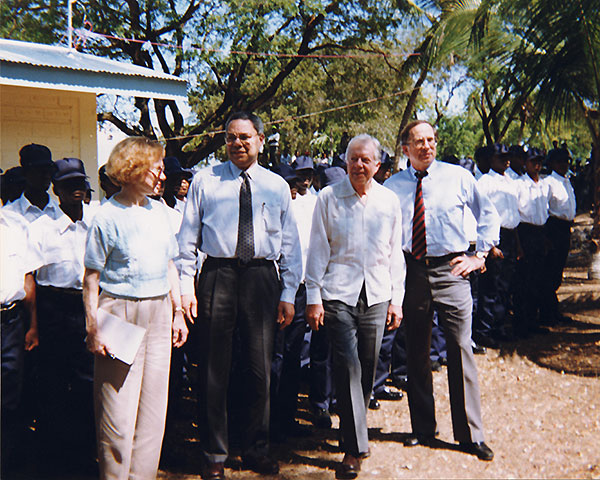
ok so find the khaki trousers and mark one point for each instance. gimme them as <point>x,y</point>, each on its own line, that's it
<point>131,401</point>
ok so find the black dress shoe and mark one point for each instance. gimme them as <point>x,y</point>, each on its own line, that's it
<point>387,394</point>
<point>261,464</point>
<point>322,418</point>
<point>414,440</point>
<point>401,382</point>
<point>436,366</point>
<point>374,403</point>
<point>214,471</point>
<point>296,429</point>
<point>443,361</point>
<point>479,449</point>
<point>349,468</point>
<point>478,349</point>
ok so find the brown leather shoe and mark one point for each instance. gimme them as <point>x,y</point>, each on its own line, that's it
<point>214,471</point>
<point>349,468</point>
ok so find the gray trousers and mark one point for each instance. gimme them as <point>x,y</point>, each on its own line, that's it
<point>355,334</point>
<point>429,286</point>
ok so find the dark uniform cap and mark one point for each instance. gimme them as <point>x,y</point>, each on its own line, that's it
<point>34,155</point>
<point>332,175</point>
<point>14,175</point>
<point>557,155</point>
<point>516,150</point>
<point>68,168</point>
<point>285,171</point>
<point>386,160</point>
<point>535,154</point>
<point>303,162</point>
<point>499,149</point>
<point>173,167</point>
<point>340,161</point>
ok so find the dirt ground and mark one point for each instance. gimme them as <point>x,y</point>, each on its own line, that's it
<point>540,400</point>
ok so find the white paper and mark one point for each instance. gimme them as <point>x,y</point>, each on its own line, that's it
<point>122,339</point>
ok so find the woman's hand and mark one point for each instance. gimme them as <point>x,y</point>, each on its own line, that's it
<point>95,345</point>
<point>180,330</point>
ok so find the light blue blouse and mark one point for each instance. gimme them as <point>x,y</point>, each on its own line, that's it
<point>131,247</point>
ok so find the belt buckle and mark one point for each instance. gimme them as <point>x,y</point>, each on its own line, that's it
<point>427,261</point>
<point>240,263</point>
<point>8,307</point>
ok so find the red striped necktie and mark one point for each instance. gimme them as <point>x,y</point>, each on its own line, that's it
<point>419,241</point>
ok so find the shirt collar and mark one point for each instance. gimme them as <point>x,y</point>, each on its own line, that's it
<point>251,170</point>
<point>432,168</point>
<point>65,222</point>
<point>558,177</point>
<point>494,173</point>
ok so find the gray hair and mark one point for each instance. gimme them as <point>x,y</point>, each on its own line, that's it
<point>361,139</point>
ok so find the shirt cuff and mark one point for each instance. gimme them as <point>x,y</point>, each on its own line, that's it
<point>313,296</point>
<point>288,295</point>
<point>186,285</point>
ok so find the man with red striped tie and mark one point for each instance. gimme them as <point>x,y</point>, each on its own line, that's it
<point>434,197</point>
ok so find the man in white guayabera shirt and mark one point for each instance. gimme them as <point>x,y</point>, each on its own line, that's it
<point>355,285</point>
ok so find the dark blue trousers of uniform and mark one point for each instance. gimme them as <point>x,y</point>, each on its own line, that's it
<point>558,233</point>
<point>66,374</point>
<point>13,341</point>
<point>495,290</point>
<point>285,369</point>
<point>530,271</point>
<point>322,390</point>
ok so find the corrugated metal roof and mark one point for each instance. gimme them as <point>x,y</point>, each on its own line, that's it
<point>55,67</point>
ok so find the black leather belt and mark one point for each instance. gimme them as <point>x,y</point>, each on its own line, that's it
<point>433,261</point>
<point>237,263</point>
<point>6,307</point>
<point>9,311</point>
<point>62,291</point>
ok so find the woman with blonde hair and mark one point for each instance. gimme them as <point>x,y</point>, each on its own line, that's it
<point>129,255</point>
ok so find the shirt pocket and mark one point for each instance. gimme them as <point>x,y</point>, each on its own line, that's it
<point>272,218</point>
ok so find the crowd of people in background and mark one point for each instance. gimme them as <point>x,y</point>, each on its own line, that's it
<point>271,262</point>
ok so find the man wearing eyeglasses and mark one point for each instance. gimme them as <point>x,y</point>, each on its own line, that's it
<point>434,197</point>
<point>239,215</point>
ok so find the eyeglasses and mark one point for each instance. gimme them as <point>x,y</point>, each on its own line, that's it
<point>231,138</point>
<point>421,142</point>
<point>156,175</point>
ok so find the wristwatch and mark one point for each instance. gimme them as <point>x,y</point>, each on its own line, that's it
<point>482,255</point>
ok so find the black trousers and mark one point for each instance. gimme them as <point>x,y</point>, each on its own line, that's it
<point>232,296</point>
<point>285,369</point>
<point>496,288</point>
<point>66,375</point>
<point>13,341</point>
<point>558,233</point>
<point>530,271</point>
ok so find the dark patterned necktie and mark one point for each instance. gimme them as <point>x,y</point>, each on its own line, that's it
<point>245,242</point>
<point>419,241</point>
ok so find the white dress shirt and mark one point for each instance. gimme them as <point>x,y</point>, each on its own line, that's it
<point>210,223</point>
<point>447,191</point>
<point>352,243</point>
<point>512,174</point>
<point>503,192</point>
<point>180,205</point>
<point>303,207</point>
<point>62,245</point>
<point>30,212</point>
<point>534,198</point>
<point>18,256</point>
<point>562,197</point>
